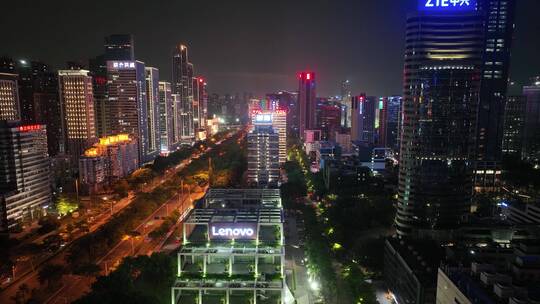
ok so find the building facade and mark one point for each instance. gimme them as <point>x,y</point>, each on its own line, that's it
<point>25,188</point>
<point>9,97</point>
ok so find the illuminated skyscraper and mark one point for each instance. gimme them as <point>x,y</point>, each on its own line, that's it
<point>77,108</point>
<point>9,97</point>
<point>127,105</point>
<point>440,98</point>
<point>306,103</point>
<point>166,127</point>
<point>182,84</point>
<point>152,108</point>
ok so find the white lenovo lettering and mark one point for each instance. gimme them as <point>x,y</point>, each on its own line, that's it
<point>232,232</point>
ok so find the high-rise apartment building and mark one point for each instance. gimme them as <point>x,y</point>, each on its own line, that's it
<point>531,132</point>
<point>498,18</point>
<point>152,108</point>
<point>24,173</point>
<point>77,111</point>
<point>306,102</point>
<point>127,105</point>
<point>514,122</point>
<point>166,127</point>
<point>9,97</point>
<point>120,47</point>
<point>440,97</point>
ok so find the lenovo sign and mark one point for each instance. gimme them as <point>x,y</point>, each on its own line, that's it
<point>229,231</point>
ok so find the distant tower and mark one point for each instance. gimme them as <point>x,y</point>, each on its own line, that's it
<point>166,130</point>
<point>119,47</point>
<point>306,103</point>
<point>182,84</point>
<point>531,140</point>
<point>152,108</point>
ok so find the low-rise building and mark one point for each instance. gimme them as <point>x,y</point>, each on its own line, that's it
<point>233,249</point>
<point>486,282</point>
<point>112,158</point>
<point>410,270</point>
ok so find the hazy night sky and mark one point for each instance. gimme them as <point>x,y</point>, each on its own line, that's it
<point>256,46</point>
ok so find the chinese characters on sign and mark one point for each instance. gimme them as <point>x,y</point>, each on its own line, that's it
<point>442,5</point>
<point>123,65</point>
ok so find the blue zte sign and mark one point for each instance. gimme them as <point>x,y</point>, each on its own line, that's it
<point>447,5</point>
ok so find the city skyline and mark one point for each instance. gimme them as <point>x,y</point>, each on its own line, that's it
<point>334,44</point>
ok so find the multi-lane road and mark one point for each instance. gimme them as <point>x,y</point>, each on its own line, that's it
<point>75,286</point>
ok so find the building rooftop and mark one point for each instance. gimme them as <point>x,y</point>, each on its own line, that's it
<point>260,216</point>
<point>422,257</point>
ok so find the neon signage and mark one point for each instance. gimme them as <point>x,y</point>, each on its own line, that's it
<point>29,128</point>
<point>263,118</point>
<point>231,231</point>
<point>123,64</point>
<point>447,5</point>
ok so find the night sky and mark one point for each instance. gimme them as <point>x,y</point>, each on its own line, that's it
<point>256,46</point>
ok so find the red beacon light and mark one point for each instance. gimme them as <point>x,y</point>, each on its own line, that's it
<point>308,76</point>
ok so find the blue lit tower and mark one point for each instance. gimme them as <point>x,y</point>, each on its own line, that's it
<point>443,60</point>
